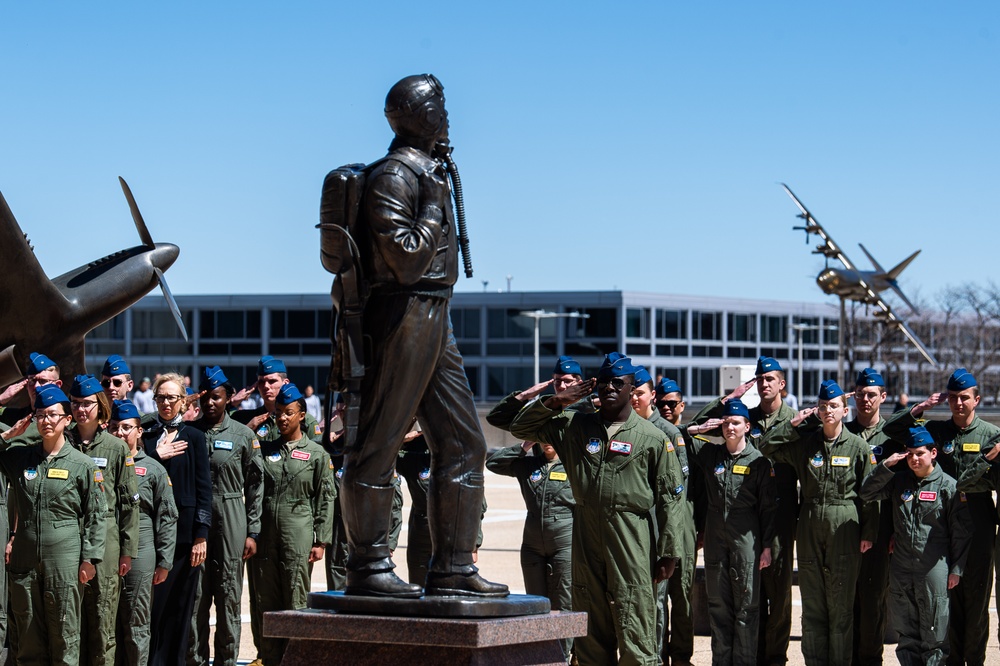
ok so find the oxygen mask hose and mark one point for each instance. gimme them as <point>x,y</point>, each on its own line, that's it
<point>463,234</point>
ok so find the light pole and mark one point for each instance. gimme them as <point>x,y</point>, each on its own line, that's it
<point>539,315</point>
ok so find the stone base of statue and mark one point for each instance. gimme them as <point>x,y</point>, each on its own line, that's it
<point>339,629</point>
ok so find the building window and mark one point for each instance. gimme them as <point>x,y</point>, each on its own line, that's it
<point>509,324</point>
<point>465,322</point>
<point>603,323</point>
<point>773,328</point>
<point>810,335</point>
<point>671,324</point>
<point>637,322</point>
<point>742,327</point>
<point>706,325</point>
<point>300,324</point>
<point>230,324</point>
<point>157,324</point>
<point>110,330</point>
<point>503,380</point>
<point>705,382</point>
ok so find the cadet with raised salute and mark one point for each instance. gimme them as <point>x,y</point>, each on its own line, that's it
<point>836,527</point>
<point>673,620</point>
<point>776,580</point>
<point>565,372</point>
<point>157,539</point>
<point>62,525</point>
<point>739,531</point>
<point>296,524</point>
<point>237,496</point>
<point>870,613</point>
<point>271,376</point>
<point>931,531</point>
<point>623,478</point>
<point>960,441</point>
<point>92,412</point>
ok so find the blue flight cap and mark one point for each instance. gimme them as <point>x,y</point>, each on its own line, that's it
<point>616,365</point>
<point>38,362</point>
<point>122,410</point>
<point>565,365</point>
<point>918,437</point>
<point>115,365</point>
<point>735,407</point>
<point>85,385</point>
<point>666,386</point>
<point>642,375</point>
<point>767,364</point>
<point>288,394</point>
<point>960,380</point>
<point>50,394</point>
<point>869,377</point>
<point>268,365</point>
<point>830,389</point>
<point>212,378</point>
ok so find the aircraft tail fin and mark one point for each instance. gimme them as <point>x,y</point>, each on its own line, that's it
<point>894,273</point>
<point>891,276</point>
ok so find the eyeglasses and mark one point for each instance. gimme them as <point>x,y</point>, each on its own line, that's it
<point>167,398</point>
<point>616,382</point>
<point>106,383</point>
<point>668,403</point>
<point>83,405</point>
<point>124,429</point>
<point>49,418</point>
<point>39,381</point>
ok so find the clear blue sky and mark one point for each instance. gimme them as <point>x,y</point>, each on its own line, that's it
<point>636,146</point>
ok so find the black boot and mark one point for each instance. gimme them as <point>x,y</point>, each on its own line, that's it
<point>380,584</point>
<point>462,585</point>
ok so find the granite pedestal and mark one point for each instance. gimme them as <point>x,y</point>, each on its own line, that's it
<point>335,637</point>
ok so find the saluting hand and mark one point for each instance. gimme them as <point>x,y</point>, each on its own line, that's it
<point>12,390</point>
<point>740,390</point>
<point>803,415</point>
<point>242,395</point>
<point>992,453</point>
<point>536,390</point>
<point>17,429</point>
<point>894,458</point>
<point>257,421</point>
<point>707,426</point>
<point>574,392</point>
<point>931,402</point>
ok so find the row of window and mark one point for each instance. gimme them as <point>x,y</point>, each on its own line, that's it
<point>739,327</point>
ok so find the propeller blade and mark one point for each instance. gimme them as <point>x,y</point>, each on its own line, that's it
<point>140,225</point>
<point>174,310</point>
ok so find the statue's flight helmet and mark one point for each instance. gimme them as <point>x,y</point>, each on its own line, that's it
<point>414,107</point>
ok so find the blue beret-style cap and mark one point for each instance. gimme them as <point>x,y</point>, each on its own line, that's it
<point>115,365</point>
<point>38,362</point>
<point>960,380</point>
<point>666,386</point>
<point>288,394</point>
<point>735,407</point>
<point>918,437</point>
<point>123,410</point>
<point>49,394</point>
<point>85,385</point>
<point>616,365</point>
<point>830,389</point>
<point>767,364</point>
<point>212,378</point>
<point>869,377</point>
<point>642,375</point>
<point>268,365</point>
<point>565,365</point>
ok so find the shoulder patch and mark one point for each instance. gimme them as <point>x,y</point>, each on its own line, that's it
<point>256,443</point>
<point>129,460</point>
<point>678,490</point>
<point>98,476</point>
<point>169,482</point>
<point>316,430</point>
<point>670,446</point>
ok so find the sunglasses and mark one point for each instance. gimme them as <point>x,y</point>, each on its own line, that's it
<point>616,382</point>
<point>106,383</point>
<point>668,403</point>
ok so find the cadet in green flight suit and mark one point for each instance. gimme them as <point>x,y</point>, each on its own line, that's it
<point>960,441</point>
<point>92,411</point>
<point>623,479</point>
<point>870,613</point>
<point>157,538</point>
<point>297,520</point>
<point>739,531</point>
<point>62,525</point>
<point>836,526</point>
<point>237,496</point>
<point>776,580</point>
<point>271,376</point>
<point>547,540</point>
<point>565,372</point>
<point>674,619</point>
<point>932,530</point>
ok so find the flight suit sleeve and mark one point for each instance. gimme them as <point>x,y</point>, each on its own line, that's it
<point>709,411</point>
<point>95,515</point>
<point>164,522</point>
<point>507,462</point>
<point>767,510</point>
<point>502,415</point>
<point>780,444</point>
<point>868,512</point>
<point>322,501</point>
<point>128,507</point>
<point>203,487</point>
<point>538,423</point>
<point>981,468</point>
<point>960,530</point>
<point>668,483</point>
<point>253,484</point>
<point>312,431</point>
<point>877,485</point>
<point>897,425</point>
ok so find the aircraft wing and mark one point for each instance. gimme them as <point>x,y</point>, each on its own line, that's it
<point>829,248</point>
<point>891,319</point>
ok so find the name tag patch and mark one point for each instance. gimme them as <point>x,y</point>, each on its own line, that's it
<point>100,462</point>
<point>625,448</point>
<point>557,476</point>
<point>927,495</point>
<point>840,461</point>
<point>741,469</point>
<point>140,471</point>
<point>224,445</point>
<point>970,447</point>
<point>58,474</point>
<point>301,455</point>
